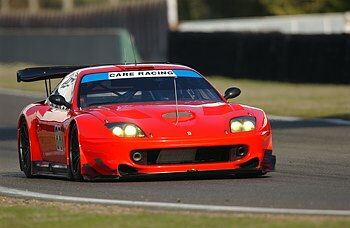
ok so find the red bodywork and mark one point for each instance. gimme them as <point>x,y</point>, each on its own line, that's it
<point>104,154</point>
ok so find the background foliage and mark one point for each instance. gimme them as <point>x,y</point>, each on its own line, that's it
<point>208,9</point>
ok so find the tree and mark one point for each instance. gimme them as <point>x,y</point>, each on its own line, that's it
<point>208,9</point>
<point>277,7</point>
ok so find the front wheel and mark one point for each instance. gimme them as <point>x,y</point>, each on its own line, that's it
<point>24,154</point>
<point>74,155</point>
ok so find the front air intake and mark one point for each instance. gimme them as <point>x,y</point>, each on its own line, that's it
<point>190,155</point>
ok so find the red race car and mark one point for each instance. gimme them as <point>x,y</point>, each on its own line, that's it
<point>114,121</point>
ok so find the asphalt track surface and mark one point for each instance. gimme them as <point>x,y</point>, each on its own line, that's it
<point>313,171</point>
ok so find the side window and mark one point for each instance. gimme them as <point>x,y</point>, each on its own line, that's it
<point>66,87</point>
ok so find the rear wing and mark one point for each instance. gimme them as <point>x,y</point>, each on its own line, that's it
<point>45,73</point>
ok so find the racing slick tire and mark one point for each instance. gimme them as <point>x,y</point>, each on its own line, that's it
<point>74,169</point>
<point>24,153</point>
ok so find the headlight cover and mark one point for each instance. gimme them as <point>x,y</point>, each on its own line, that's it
<point>241,124</point>
<point>125,130</point>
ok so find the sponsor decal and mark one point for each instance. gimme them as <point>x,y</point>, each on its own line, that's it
<point>59,136</point>
<point>138,74</point>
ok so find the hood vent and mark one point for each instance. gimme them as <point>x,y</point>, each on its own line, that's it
<point>183,116</point>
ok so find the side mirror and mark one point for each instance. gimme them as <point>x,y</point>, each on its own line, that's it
<point>59,100</point>
<point>232,93</point>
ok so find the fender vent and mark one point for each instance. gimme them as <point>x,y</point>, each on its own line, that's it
<point>252,163</point>
<point>126,170</point>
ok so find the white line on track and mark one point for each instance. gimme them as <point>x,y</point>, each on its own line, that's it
<point>285,118</point>
<point>294,119</point>
<point>176,206</point>
<point>336,121</point>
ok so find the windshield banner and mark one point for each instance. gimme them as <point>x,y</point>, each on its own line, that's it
<point>139,74</point>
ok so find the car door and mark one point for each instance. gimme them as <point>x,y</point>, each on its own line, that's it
<point>51,117</point>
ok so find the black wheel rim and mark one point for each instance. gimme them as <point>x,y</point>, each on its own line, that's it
<point>24,147</point>
<point>75,152</point>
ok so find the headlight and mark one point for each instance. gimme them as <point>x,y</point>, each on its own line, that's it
<point>244,123</point>
<point>125,130</point>
<point>118,131</point>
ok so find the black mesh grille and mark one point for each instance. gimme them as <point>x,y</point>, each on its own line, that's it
<point>192,155</point>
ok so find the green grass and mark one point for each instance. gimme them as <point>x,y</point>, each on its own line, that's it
<point>8,78</point>
<point>290,99</point>
<point>276,98</point>
<point>108,216</point>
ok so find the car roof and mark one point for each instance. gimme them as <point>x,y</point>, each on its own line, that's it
<point>131,67</point>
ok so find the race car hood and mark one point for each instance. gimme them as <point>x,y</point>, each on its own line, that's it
<point>161,121</point>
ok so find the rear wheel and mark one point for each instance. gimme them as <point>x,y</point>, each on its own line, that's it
<point>24,154</point>
<point>74,155</point>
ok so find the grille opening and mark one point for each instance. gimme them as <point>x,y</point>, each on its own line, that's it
<point>152,156</point>
<point>192,155</point>
<point>213,154</point>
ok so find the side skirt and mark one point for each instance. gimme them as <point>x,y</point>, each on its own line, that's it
<point>42,168</point>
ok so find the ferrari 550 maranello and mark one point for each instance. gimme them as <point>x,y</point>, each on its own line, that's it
<point>115,121</point>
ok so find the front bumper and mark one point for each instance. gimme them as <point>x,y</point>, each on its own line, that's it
<point>111,157</point>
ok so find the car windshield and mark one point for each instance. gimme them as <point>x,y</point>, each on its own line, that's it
<point>145,89</point>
